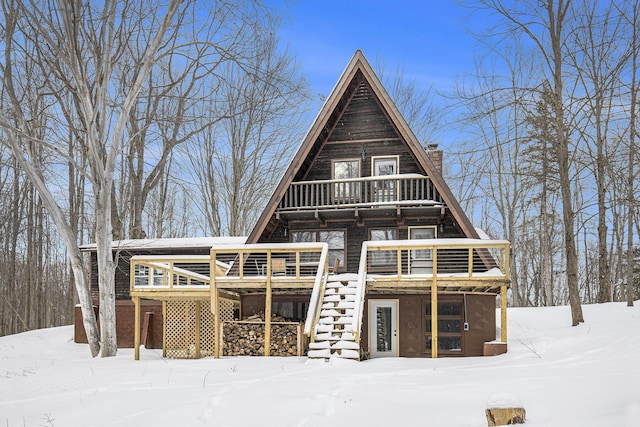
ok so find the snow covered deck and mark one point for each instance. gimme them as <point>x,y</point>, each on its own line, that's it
<point>470,265</point>
<point>420,266</point>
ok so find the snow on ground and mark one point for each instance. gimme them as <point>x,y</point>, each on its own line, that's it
<point>564,376</point>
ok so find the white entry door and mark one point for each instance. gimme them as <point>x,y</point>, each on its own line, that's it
<point>383,328</point>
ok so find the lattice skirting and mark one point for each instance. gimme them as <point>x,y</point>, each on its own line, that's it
<point>189,328</point>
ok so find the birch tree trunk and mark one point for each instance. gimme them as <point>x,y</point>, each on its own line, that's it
<point>75,47</point>
<point>631,202</point>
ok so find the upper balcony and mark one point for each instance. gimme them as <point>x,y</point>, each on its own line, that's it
<point>361,197</point>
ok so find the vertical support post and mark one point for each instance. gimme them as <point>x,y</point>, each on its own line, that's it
<point>434,306</point>
<point>507,262</point>
<point>503,313</point>
<point>267,309</point>
<point>399,263</point>
<point>136,332</point>
<point>171,275</point>
<point>198,325</point>
<point>470,262</point>
<point>164,328</point>
<point>215,303</point>
<point>503,295</point>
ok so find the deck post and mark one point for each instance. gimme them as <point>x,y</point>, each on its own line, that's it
<point>503,313</point>
<point>215,304</point>
<point>434,306</point>
<point>198,328</point>
<point>267,309</point>
<point>164,328</point>
<point>136,332</point>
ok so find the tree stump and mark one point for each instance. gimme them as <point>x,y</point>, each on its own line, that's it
<point>505,416</point>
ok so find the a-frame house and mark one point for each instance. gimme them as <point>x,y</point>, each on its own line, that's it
<point>364,242</point>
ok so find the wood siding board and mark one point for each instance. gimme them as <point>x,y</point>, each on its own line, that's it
<point>481,311</point>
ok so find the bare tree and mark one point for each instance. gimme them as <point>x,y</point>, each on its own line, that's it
<point>415,102</point>
<point>633,19</point>
<point>76,46</point>
<point>599,58</point>
<point>544,24</point>
<point>244,155</point>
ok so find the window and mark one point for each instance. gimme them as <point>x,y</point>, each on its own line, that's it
<point>383,258</point>
<point>450,326</point>
<point>385,189</point>
<point>335,239</point>
<point>147,276</point>
<point>420,261</point>
<point>346,169</point>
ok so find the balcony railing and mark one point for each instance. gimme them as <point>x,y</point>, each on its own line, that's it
<point>171,271</point>
<point>467,264</point>
<point>365,191</point>
<point>297,263</point>
<point>245,266</point>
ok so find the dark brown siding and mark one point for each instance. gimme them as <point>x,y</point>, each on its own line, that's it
<point>365,122</point>
<point>481,316</point>
<point>356,233</point>
<point>254,304</point>
<point>125,316</point>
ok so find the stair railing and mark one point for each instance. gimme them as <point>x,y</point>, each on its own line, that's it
<point>358,309</point>
<point>313,312</point>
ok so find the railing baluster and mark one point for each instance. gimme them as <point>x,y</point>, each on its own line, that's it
<point>366,190</point>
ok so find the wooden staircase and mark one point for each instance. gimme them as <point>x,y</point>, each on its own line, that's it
<point>332,334</point>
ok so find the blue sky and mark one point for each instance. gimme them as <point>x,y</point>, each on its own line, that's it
<point>428,38</point>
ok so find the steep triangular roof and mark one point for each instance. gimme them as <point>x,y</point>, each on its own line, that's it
<point>322,127</point>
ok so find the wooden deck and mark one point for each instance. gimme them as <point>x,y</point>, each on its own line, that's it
<point>410,266</point>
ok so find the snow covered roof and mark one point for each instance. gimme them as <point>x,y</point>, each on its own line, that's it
<point>482,234</point>
<point>169,243</point>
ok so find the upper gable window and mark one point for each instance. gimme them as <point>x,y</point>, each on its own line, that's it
<point>345,170</point>
<point>385,190</point>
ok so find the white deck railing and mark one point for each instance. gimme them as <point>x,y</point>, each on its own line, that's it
<point>364,191</point>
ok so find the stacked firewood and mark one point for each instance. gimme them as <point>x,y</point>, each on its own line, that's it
<point>246,338</point>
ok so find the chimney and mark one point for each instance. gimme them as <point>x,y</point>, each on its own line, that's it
<point>435,155</point>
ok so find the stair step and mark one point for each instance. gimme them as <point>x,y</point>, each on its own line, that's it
<point>334,285</point>
<point>344,304</point>
<point>319,345</point>
<point>324,328</point>
<point>347,291</point>
<point>324,353</point>
<point>330,312</point>
<point>330,291</point>
<point>327,336</point>
<point>334,298</point>
<point>346,354</point>
<point>343,345</point>
<point>330,320</point>
<point>347,336</point>
<point>350,298</point>
<point>330,304</point>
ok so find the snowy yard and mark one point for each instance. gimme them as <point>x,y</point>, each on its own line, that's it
<point>583,376</point>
